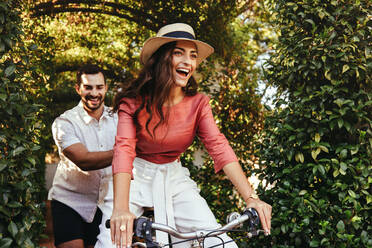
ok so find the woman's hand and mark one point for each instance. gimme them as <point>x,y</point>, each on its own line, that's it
<point>121,222</point>
<point>121,225</point>
<point>264,211</point>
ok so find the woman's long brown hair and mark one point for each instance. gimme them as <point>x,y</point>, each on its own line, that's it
<point>153,86</point>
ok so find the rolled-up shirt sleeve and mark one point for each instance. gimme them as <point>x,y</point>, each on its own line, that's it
<point>64,133</point>
<point>214,141</point>
<point>125,140</point>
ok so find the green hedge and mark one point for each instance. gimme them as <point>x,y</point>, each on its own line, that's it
<point>21,169</point>
<point>316,149</point>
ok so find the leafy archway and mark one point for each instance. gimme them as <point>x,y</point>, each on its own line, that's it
<point>58,36</point>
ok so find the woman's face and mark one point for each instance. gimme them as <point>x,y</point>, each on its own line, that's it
<point>184,57</point>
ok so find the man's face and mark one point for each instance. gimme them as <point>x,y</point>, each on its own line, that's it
<point>92,91</point>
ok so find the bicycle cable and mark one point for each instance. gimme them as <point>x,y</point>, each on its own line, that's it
<point>222,242</point>
<point>204,238</point>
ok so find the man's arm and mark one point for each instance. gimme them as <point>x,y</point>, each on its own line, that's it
<point>86,160</point>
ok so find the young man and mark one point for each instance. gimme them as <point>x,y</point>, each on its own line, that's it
<point>85,136</point>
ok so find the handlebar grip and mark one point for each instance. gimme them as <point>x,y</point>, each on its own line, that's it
<point>253,215</point>
<point>107,224</point>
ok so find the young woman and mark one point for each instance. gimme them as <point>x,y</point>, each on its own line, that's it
<point>160,113</point>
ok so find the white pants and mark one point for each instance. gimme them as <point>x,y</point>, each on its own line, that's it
<point>176,201</point>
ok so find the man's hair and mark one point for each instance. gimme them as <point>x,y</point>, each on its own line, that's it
<point>89,69</point>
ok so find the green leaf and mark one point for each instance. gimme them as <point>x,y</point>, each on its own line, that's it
<point>303,192</point>
<point>364,236</point>
<point>335,161</point>
<point>8,41</point>
<point>5,242</point>
<point>340,123</point>
<point>3,165</point>
<point>324,240</point>
<point>340,226</point>
<point>13,229</point>
<point>314,243</point>
<point>10,70</point>
<point>311,22</point>
<point>369,199</point>
<point>290,155</point>
<point>18,150</point>
<point>5,211</point>
<point>287,126</point>
<point>321,169</point>
<point>33,47</point>
<point>351,193</point>
<point>343,166</point>
<point>343,153</point>
<point>14,205</point>
<point>339,102</point>
<point>347,126</point>
<point>32,161</point>
<point>284,228</point>
<point>3,97</point>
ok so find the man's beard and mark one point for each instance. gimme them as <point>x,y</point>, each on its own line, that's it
<point>92,107</point>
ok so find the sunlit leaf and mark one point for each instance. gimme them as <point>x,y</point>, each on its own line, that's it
<point>345,68</point>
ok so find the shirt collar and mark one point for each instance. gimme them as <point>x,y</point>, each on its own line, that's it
<point>87,118</point>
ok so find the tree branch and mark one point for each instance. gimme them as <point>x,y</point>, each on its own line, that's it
<point>116,6</point>
<point>60,6</point>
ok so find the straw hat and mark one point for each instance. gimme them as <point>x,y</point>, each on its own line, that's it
<point>174,32</point>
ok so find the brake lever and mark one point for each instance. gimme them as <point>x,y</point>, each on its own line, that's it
<point>253,223</point>
<point>254,233</point>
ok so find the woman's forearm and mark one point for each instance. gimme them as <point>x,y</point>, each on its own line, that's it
<point>236,175</point>
<point>121,190</point>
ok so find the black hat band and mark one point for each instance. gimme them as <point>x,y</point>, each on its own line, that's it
<point>179,34</point>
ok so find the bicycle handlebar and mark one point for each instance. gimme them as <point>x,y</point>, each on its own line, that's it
<point>250,215</point>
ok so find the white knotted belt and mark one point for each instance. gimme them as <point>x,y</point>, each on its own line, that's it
<point>161,191</point>
<point>162,198</point>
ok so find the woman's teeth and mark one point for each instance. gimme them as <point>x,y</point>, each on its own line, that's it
<point>185,72</point>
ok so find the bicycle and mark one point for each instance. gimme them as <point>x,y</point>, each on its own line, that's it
<point>143,229</point>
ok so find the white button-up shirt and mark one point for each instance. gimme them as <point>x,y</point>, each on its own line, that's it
<point>78,189</point>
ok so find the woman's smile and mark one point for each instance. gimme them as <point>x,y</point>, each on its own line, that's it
<point>184,57</point>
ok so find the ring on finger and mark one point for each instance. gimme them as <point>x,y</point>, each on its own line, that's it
<point>122,228</point>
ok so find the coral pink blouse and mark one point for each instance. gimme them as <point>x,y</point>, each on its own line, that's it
<point>192,116</point>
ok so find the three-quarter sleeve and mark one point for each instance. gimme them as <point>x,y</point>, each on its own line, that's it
<point>214,141</point>
<point>125,140</point>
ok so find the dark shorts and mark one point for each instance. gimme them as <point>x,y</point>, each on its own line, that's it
<point>69,225</point>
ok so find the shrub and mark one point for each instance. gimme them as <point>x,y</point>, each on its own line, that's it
<point>22,176</point>
<point>316,148</point>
